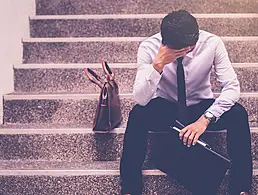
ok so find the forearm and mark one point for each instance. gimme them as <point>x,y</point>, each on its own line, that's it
<point>227,77</point>
<point>229,96</point>
<point>146,84</point>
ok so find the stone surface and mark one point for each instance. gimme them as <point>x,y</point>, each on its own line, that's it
<point>63,7</point>
<point>80,111</point>
<point>73,80</point>
<point>70,165</point>
<point>87,147</point>
<point>243,51</point>
<point>48,182</point>
<point>135,27</point>
<point>96,185</point>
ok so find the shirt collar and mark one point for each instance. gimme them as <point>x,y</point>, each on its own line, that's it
<point>189,55</point>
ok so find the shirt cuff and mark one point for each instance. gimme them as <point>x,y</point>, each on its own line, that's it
<point>215,110</point>
<point>153,75</point>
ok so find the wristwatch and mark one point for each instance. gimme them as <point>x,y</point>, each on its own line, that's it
<point>210,116</point>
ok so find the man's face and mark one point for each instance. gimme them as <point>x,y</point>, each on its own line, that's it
<point>191,48</point>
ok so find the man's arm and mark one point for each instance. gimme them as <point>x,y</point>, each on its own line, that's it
<point>147,78</point>
<point>227,77</point>
<point>229,95</point>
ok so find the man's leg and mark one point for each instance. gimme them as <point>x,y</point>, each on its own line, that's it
<point>238,143</point>
<point>157,116</point>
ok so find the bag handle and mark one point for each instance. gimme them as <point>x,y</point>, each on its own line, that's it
<point>108,72</point>
<point>94,78</point>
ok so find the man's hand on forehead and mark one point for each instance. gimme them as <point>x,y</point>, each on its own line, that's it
<point>167,55</point>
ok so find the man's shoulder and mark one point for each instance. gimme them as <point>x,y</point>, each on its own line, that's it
<point>207,37</point>
<point>154,40</point>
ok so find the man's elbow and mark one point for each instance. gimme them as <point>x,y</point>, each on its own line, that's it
<point>236,89</point>
<point>140,99</point>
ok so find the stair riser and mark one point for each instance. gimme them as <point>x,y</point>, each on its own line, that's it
<point>80,111</point>
<point>135,27</point>
<point>93,52</point>
<point>154,184</point>
<point>89,147</point>
<point>60,7</point>
<point>73,80</point>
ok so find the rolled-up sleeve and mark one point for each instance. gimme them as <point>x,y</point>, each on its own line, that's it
<point>147,78</point>
<point>227,77</point>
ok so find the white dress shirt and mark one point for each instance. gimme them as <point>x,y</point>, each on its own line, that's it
<point>210,50</point>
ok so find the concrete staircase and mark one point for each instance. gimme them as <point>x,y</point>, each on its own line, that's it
<point>47,145</point>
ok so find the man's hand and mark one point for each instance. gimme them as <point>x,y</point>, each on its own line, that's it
<point>167,55</point>
<point>191,133</point>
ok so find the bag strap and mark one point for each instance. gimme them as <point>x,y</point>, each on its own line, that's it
<point>94,78</point>
<point>108,72</point>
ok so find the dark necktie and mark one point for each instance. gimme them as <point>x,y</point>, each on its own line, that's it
<point>181,94</point>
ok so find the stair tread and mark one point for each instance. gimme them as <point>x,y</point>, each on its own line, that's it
<point>93,94</point>
<point>72,165</point>
<point>66,128</point>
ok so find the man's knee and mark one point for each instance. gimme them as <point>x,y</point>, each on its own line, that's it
<point>239,112</point>
<point>136,112</point>
<point>239,120</point>
<point>136,122</point>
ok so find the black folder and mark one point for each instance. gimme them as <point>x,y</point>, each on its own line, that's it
<point>199,168</point>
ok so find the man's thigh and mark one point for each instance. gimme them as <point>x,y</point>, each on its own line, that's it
<point>228,118</point>
<point>158,114</point>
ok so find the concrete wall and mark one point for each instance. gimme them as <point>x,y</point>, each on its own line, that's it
<point>14,23</point>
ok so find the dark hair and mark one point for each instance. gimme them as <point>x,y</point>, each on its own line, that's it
<point>179,29</point>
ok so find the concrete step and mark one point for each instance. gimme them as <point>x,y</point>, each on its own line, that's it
<point>136,25</point>
<point>61,7</point>
<point>80,108</point>
<point>98,178</point>
<point>115,49</point>
<point>77,143</point>
<point>70,77</point>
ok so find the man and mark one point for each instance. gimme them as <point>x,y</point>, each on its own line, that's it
<point>173,82</point>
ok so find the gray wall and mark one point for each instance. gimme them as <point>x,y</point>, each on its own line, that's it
<point>14,23</point>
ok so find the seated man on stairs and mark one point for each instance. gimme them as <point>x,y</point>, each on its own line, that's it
<point>173,82</point>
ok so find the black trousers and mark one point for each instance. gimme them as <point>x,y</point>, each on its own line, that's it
<point>158,115</point>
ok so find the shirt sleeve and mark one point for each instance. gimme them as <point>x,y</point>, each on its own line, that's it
<point>227,77</point>
<point>147,78</point>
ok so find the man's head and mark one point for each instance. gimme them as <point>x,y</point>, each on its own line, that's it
<point>179,29</point>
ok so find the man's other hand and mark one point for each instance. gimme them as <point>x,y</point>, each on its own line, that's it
<point>191,133</point>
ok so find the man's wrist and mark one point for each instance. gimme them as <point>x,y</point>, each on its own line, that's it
<point>158,66</point>
<point>205,120</point>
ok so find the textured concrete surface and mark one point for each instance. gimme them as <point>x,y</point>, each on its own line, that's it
<point>240,51</point>
<point>28,165</point>
<point>52,7</point>
<point>64,152</point>
<point>135,27</point>
<point>73,80</point>
<point>96,185</point>
<point>78,147</point>
<point>80,111</point>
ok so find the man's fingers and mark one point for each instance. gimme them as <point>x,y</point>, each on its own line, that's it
<point>182,132</point>
<point>190,139</point>
<point>196,138</point>
<point>185,49</point>
<point>186,136</point>
<point>181,55</point>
